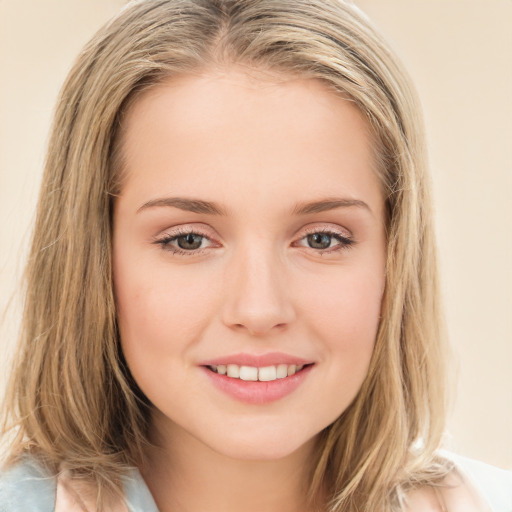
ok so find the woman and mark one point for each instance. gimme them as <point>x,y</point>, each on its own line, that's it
<point>232,293</point>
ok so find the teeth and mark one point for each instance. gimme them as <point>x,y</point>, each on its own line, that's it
<point>233,370</point>
<point>267,374</point>
<point>282,371</point>
<point>248,373</point>
<point>252,373</point>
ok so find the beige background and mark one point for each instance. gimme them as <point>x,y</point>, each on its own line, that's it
<point>459,53</point>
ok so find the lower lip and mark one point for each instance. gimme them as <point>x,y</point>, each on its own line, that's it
<point>256,392</point>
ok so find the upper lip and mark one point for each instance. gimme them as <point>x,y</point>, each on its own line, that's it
<point>257,360</point>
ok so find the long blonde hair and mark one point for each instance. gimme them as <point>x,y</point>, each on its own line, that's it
<point>71,399</point>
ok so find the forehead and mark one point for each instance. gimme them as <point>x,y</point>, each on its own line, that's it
<point>224,131</point>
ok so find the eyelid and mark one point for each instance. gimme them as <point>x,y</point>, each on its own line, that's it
<point>342,235</point>
<point>169,235</point>
<point>327,228</point>
<point>185,229</point>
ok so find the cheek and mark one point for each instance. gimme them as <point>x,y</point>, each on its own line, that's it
<point>157,308</point>
<point>348,304</point>
<point>156,327</point>
<point>345,320</point>
<point>342,312</point>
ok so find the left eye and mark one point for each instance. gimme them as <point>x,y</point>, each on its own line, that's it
<point>319,240</point>
<point>190,241</point>
<point>324,240</point>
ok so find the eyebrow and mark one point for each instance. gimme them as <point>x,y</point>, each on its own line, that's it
<point>211,208</point>
<point>188,205</point>
<point>324,205</point>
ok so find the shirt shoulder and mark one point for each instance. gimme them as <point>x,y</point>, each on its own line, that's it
<point>137,495</point>
<point>27,486</point>
<point>492,483</point>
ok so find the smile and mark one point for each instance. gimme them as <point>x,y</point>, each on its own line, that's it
<point>258,384</point>
<point>252,373</point>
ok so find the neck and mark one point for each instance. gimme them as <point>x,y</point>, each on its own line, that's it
<point>185,475</point>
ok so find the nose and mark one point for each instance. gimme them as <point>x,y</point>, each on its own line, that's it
<point>257,294</point>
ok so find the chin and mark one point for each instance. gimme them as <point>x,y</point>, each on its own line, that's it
<point>261,452</point>
<point>267,445</point>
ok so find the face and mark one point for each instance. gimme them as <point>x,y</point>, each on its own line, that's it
<point>249,255</point>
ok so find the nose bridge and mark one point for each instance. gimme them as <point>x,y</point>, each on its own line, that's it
<point>256,294</point>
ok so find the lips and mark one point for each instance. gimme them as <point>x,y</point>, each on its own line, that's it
<point>257,379</point>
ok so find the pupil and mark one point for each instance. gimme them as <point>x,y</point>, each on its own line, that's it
<point>319,241</point>
<point>190,241</point>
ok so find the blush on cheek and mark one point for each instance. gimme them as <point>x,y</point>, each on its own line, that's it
<point>351,307</point>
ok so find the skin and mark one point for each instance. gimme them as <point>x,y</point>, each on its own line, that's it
<point>256,145</point>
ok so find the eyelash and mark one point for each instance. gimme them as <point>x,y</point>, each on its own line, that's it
<point>165,242</point>
<point>344,241</point>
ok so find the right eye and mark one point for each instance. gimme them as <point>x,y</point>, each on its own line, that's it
<point>184,242</point>
<point>189,242</point>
